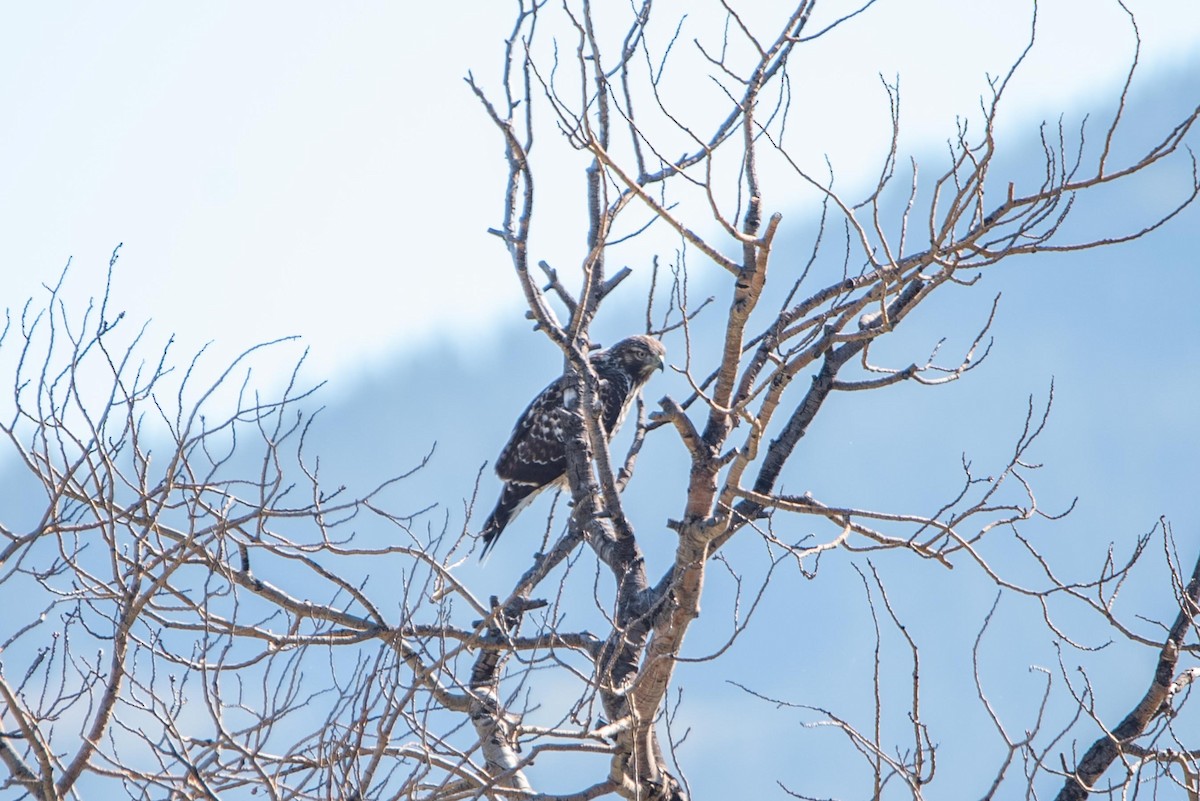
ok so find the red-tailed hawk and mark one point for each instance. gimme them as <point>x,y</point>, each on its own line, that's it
<point>536,455</point>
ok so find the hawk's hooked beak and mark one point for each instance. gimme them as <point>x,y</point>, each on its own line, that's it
<point>661,364</point>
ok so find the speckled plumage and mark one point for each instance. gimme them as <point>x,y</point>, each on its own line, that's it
<point>535,456</point>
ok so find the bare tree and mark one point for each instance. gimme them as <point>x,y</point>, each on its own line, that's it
<point>184,626</point>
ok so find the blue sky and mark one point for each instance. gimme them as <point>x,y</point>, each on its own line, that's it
<point>322,170</point>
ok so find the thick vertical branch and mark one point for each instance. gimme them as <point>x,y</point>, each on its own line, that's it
<point>496,727</point>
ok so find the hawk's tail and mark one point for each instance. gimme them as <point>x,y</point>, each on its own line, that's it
<point>513,498</point>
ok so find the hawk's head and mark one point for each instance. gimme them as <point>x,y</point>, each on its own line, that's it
<point>639,356</point>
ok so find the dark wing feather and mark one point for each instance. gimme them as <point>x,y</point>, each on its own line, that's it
<point>536,453</point>
<point>534,457</point>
